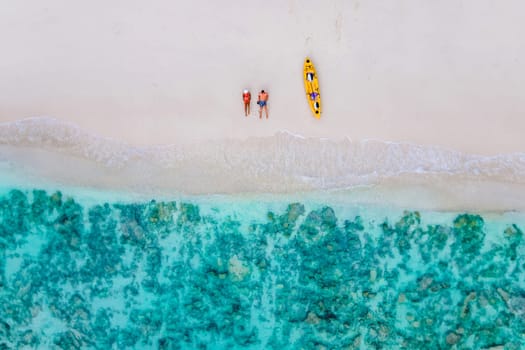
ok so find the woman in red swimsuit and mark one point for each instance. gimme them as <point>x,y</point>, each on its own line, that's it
<point>246,97</point>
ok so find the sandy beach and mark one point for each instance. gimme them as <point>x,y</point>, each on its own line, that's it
<point>417,99</point>
<point>447,74</point>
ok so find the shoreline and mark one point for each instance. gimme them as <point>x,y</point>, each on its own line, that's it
<point>135,134</point>
<point>449,196</point>
<point>60,155</point>
<point>57,133</point>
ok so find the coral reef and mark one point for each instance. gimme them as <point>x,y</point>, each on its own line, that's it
<point>171,275</point>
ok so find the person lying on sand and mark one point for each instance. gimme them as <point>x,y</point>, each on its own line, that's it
<point>246,97</point>
<point>262,100</point>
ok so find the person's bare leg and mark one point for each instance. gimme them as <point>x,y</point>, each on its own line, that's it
<point>260,112</point>
<point>245,110</point>
<point>266,110</point>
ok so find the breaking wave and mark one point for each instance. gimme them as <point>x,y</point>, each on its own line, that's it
<point>279,163</point>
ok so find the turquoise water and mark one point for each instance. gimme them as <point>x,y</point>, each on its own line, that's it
<point>81,271</point>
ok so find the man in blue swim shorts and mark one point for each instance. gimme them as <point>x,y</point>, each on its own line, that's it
<point>262,101</point>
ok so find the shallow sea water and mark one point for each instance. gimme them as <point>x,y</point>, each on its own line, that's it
<point>85,270</point>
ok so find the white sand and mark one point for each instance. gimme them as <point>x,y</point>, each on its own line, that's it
<point>439,77</point>
<point>447,73</point>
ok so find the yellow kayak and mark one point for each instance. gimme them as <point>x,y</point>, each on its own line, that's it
<point>311,85</point>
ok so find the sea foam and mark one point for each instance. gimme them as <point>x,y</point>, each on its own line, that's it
<point>280,163</point>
